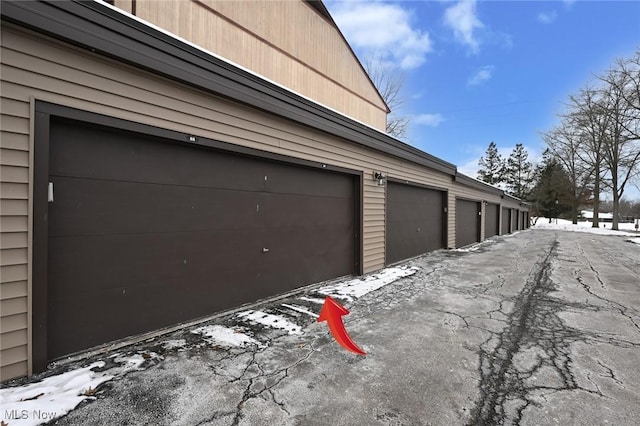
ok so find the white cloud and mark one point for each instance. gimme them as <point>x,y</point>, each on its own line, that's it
<point>382,30</point>
<point>463,20</point>
<point>431,120</point>
<point>547,18</point>
<point>483,74</point>
<point>568,3</point>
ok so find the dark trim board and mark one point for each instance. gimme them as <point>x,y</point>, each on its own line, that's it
<point>40,240</point>
<point>44,114</point>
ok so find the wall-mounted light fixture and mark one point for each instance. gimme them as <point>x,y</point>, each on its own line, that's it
<point>380,178</point>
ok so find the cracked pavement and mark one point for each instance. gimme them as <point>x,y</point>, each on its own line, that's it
<point>537,328</point>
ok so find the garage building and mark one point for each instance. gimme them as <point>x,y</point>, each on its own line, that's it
<point>147,181</point>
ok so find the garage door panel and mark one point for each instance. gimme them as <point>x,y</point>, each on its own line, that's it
<point>81,264</point>
<point>122,156</point>
<point>280,210</point>
<point>414,221</point>
<point>467,222</point>
<point>491,220</point>
<point>144,233</point>
<point>311,182</point>
<point>111,207</point>
<point>119,315</point>
<point>506,221</point>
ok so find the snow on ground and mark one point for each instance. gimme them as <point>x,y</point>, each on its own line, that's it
<point>269,320</point>
<point>226,337</point>
<point>54,396</point>
<point>312,300</point>
<point>475,246</point>
<point>51,398</point>
<point>174,344</point>
<point>626,229</point>
<point>634,240</point>
<point>300,309</point>
<point>354,289</point>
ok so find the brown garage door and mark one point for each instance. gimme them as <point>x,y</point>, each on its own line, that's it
<point>491,220</point>
<point>467,222</point>
<point>514,220</point>
<point>145,233</point>
<point>415,221</point>
<point>506,221</point>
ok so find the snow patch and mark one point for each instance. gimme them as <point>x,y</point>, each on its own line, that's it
<point>226,337</point>
<point>634,240</point>
<point>174,344</point>
<point>357,288</point>
<point>270,320</point>
<point>52,397</point>
<point>566,225</point>
<point>301,310</point>
<point>312,300</point>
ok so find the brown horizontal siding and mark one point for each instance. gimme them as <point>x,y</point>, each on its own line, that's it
<point>16,141</point>
<point>16,107</point>
<point>14,339</point>
<point>14,191</point>
<point>13,223</point>
<point>13,322</point>
<point>13,157</point>
<point>13,370</point>
<point>13,273</point>
<point>10,290</point>
<point>13,355</point>
<point>14,173</point>
<point>13,240</point>
<point>14,124</point>
<point>13,306</point>
<point>14,207</point>
<point>16,256</point>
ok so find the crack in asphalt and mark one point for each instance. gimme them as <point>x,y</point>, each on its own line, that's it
<point>622,309</point>
<point>265,382</point>
<point>499,379</point>
<point>535,331</point>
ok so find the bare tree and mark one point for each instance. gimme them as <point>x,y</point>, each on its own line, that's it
<point>621,151</point>
<point>590,114</point>
<point>624,78</point>
<point>566,144</point>
<point>389,81</point>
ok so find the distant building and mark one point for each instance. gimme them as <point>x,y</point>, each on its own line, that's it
<point>587,215</point>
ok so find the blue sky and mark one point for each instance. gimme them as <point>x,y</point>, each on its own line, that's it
<point>481,71</point>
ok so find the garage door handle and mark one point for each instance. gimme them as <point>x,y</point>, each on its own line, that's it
<point>265,250</point>
<point>50,193</point>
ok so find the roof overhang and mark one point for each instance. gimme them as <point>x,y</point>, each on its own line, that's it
<point>476,184</point>
<point>100,28</point>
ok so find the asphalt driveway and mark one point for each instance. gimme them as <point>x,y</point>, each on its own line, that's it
<point>538,328</point>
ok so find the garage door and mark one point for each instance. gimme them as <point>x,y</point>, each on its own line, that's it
<point>506,221</point>
<point>514,220</point>
<point>467,222</point>
<point>146,233</point>
<point>491,220</point>
<point>415,221</point>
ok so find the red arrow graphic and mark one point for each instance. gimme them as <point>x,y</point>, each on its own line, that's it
<point>332,313</point>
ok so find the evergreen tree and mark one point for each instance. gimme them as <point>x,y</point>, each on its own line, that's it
<point>552,192</point>
<point>491,166</point>
<point>518,173</point>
